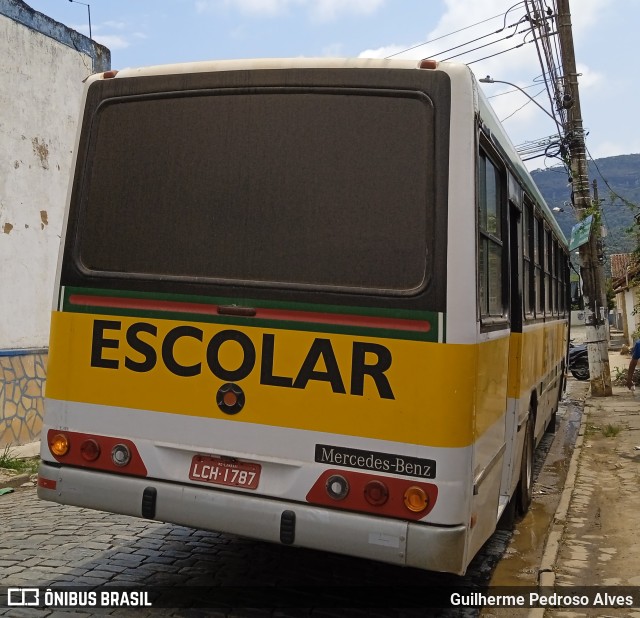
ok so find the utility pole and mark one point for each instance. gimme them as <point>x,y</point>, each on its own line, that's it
<point>595,303</point>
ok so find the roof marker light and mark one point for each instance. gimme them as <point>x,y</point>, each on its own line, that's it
<point>428,63</point>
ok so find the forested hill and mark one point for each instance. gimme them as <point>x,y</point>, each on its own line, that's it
<point>622,174</point>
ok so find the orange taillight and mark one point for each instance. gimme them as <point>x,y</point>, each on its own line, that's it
<point>416,499</point>
<point>59,444</point>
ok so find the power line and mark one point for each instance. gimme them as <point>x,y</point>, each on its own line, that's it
<point>606,182</point>
<point>501,94</point>
<point>444,36</point>
<point>522,106</point>
<point>484,36</point>
<point>493,55</point>
<point>505,38</point>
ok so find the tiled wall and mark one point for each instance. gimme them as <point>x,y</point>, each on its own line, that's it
<point>22,380</point>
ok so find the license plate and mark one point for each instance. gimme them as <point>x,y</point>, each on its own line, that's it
<point>224,472</point>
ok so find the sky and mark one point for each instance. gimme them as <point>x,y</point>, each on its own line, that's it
<point>606,39</point>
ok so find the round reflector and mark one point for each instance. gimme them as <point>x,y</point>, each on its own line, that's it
<point>415,499</point>
<point>120,455</point>
<point>230,398</point>
<point>337,487</point>
<point>59,444</point>
<point>90,450</point>
<point>376,493</point>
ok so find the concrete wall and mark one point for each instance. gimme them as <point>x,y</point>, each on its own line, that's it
<point>42,64</point>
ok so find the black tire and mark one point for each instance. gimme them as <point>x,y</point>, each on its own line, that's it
<point>524,491</point>
<point>580,371</point>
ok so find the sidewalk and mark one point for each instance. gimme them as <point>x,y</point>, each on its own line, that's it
<point>10,479</point>
<point>594,537</point>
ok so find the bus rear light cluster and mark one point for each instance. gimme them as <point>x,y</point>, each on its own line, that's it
<point>368,493</point>
<point>99,452</point>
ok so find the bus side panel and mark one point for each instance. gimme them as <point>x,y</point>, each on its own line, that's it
<point>489,444</point>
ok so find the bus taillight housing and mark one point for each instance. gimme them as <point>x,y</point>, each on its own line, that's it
<point>107,453</point>
<point>370,493</point>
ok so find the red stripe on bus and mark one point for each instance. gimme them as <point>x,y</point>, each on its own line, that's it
<point>47,483</point>
<point>350,320</point>
<point>267,314</point>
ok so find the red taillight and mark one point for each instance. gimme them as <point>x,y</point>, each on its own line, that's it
<point>109,74</point>
<point>90,450</point>
<point>376,493</point>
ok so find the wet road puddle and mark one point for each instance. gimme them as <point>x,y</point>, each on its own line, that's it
<point>522,557</point>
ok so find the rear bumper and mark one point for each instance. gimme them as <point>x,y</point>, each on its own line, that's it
<point>387,540</point>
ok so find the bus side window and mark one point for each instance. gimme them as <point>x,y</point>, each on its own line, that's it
<point>527,254</point>
<point>491,279</point>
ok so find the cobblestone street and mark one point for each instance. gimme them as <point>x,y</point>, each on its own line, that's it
<point>45,544</point>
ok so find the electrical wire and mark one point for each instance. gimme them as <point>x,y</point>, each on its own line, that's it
<point>509,36</point>
<point>606,182</point>
<point>501,94</point>
<point>548,63</point>
<point>522,106</point>
<point>444,36</point>
<point>492,55</point>
<point>506,38</point>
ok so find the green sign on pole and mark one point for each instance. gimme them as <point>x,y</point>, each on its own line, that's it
<point>580,233</point>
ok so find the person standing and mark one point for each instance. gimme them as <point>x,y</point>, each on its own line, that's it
<point>635,356</point>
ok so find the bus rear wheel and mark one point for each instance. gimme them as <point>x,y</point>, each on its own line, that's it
<point>524,492</point>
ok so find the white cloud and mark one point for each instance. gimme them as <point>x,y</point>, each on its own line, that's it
<point>613,149</point>
<point>588,78</point>
<point>466,20</point>
<point>322,10</point>
<point>383,52</point>
<point>112,41</point>
<point>326,10</point>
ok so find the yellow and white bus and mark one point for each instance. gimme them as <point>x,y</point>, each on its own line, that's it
<point>315,302</point>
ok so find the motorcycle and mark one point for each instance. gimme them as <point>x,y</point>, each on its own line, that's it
<point>579,361</point>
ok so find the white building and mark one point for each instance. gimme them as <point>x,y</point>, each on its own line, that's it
<point>624,274</point>
<point>43,64</point>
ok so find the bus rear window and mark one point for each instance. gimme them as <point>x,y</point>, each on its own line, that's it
<point>321,189</point>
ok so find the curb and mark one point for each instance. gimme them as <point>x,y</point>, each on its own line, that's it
<point>15,481</point>
<point>546,572</point>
